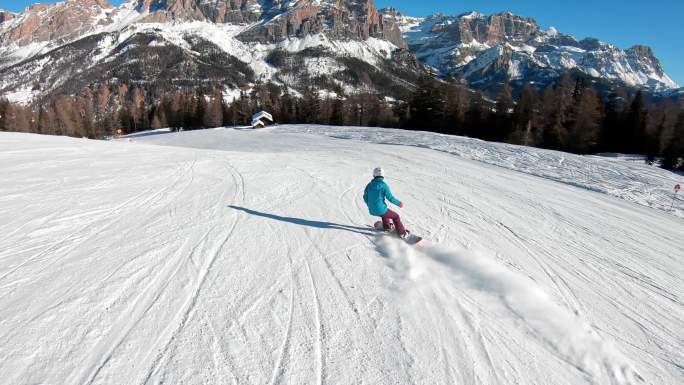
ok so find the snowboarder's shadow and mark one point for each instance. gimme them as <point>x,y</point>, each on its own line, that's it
<point>307,222</point>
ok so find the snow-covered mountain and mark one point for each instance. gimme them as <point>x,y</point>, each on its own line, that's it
<point>336,46</point>
<point>486,50</point>
<point>341,46</point>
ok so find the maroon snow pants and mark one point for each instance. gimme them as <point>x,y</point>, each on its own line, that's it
<point>397,222</point>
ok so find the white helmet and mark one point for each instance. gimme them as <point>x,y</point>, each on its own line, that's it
<point>378,172</point>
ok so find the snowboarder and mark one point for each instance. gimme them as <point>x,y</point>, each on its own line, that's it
<point>375,194</point>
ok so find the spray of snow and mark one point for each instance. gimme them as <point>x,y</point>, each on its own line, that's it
<point>564,333</point>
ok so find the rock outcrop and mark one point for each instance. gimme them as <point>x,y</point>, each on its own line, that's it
<point>277,19</point>
<point>494,29</point>
<point>219,11</point>
<point>6,16</point>
<point>339,19</point>
<point>56,23</point>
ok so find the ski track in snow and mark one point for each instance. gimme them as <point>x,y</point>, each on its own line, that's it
<point>247,257</point>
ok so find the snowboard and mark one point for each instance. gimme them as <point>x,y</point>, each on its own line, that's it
<point>411,239</point>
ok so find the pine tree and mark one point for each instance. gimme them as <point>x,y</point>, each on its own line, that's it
<point>669,117</point>
<point>584,134</point>
<point>476,117</point>
<point>524,118</point>
<point>244,110</point>
<point>174,108</point>
<point>636,125</point>
<point>157,113</point>
<point>286,110</point>
<point>85,105</point>
<point>310,106</point>
<point>673,154</point>
<point>612,137</point>
<point>372,110</point>
<point>557,109</point>
<point>660,127</point>
<point>230,114</point>
<point>337,113</point>
<point>102,100</point>
<point>456,106</point>
<point>213,116</point>
<point>124,117</point>
<point>4,105</point>
<point>502,117</point>
<point>137,109</point>
<point>200,104</point>
<point>46,119</point>
<point>426,105</point>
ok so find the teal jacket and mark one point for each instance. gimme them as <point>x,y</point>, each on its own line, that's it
<point>374,195</point>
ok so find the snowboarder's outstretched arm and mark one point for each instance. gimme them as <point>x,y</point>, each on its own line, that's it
<point>390,197</point>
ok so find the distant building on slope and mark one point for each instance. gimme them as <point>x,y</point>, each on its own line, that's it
<point>262,119</point>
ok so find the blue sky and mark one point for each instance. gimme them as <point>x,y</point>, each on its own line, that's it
<point>658,23</point>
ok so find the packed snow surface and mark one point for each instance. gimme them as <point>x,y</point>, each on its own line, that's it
<point>246,257</point>
<point>627,177</point>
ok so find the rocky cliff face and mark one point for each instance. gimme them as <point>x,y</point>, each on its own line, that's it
<point>6,16</point>
<point>56,23</point>
<point>643,59</point>
<point>219,11</point>
<point>338,19</point>
<point>486,50</point>
<point>279,20</point>
<point>492,30</point>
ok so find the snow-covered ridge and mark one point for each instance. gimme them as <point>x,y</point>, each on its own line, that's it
<point>451,43</point>
<point>16,47</point>
<point>223,36</point>
<point>114,26</point>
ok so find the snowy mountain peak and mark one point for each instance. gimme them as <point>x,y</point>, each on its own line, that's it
<point>642,51</point>
<point>472,15</point>
<point>405,23</point>
<point>451,43</point>
<point>6,16</point>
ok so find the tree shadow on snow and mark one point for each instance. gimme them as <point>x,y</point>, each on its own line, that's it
<point>307,222</point>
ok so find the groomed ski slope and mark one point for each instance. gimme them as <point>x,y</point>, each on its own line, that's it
<point>245,257</point>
